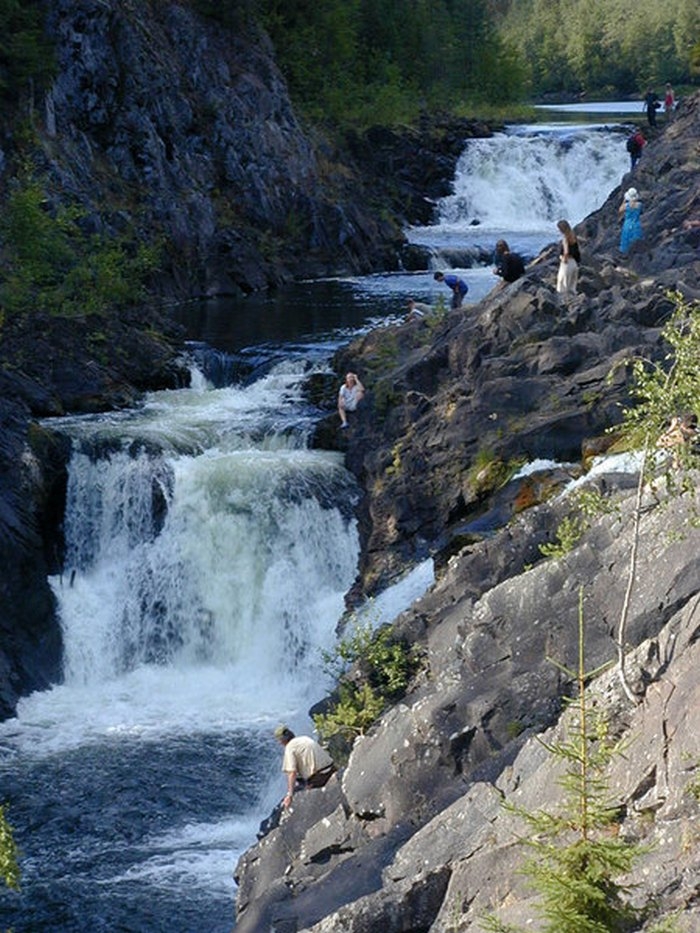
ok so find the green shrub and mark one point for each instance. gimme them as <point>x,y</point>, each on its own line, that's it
<point>373,669</point>
<point>587,504</point>
<point>568,533</point>
<point>9,867</point>
<point>661,390</point>
<point>51,266</point>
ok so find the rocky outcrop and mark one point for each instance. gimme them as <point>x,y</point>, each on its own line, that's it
<point>411,835</point>
<point>181,128</point>
<point>520,376</point>
<point>413,828</point>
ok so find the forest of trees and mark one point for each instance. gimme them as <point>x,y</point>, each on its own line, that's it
<point>614,46</point>
<point>377,60</point>
<point>384,61</point>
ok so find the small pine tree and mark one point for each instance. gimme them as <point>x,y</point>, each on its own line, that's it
<point>577,855</point>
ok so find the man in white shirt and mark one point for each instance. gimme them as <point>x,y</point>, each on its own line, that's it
<point>305,762</point>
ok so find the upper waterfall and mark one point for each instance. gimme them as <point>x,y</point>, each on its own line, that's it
<point>520,182</point>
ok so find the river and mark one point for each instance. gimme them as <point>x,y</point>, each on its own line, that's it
<point>209,551</point>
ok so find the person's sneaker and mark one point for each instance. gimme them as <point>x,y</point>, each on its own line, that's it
<point>344,425</point>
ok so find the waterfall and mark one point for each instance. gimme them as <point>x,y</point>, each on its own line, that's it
<point>222,578</point>
<point>517,184</point>
<point>208,551</point>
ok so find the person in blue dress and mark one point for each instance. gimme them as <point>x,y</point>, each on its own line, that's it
<point>631,208</point>
<point>458,287</point>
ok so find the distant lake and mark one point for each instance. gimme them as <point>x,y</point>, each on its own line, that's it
<point>610,107</point>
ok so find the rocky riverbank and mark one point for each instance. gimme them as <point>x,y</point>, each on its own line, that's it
<point>412,835</point>
<point>520,376</point>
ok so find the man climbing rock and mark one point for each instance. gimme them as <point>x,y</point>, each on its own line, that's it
<point>305,762</point>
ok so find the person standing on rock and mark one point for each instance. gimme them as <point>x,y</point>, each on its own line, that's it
<point>458,287</point>
<point>651,105</point>
<point>669,101</point>
<point>569,260</point>
<point>631,208</point>
<point>635,144</point>
<point>350,395</point>
<point>305,763</point>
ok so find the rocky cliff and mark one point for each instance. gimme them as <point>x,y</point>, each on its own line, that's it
<point>520,376</point>
<point>411,836</point>
<point>171,122</point>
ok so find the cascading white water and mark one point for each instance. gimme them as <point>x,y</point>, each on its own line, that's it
<point>209,556</point>
<point>518,184</point>
<point>528,182</point>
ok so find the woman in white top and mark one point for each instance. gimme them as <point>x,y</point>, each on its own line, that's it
<point>350,395</point>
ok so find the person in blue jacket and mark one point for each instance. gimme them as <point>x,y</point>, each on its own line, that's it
<point>458,287</point>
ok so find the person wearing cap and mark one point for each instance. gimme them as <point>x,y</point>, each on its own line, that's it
<point>305,762</point>
<point>631,208</point>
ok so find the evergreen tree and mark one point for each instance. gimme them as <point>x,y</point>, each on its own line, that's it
<point>577,858</point>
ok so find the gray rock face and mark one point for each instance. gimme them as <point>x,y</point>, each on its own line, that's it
<point>420,798</point>
<point>522,375</point>
<point>168,121</point>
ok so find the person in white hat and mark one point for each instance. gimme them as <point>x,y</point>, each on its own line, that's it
<point>631,208</point>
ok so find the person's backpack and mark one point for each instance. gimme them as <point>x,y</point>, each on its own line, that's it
<point>633,145</point>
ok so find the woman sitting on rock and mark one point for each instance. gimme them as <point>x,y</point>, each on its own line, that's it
<point>350,395</point>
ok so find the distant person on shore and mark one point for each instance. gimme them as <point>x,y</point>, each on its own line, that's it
<point>305,763</point>
<point>457,286</point>
<point>681,431</point>
<point>631,208</point>
<point>651,105</point>
<point>569,260</point>
<point>669,100</point>
<point>509,266</point>
<point>350,395</point>
<point>635,144</point>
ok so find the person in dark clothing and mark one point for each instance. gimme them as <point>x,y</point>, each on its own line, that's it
<point>635,143</point>
<point>651,104</point>
<point>458,287</point>
<point>509,266</point>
